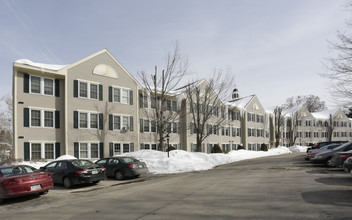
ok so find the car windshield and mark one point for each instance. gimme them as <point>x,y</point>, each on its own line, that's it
<point>343,146</point>
<point>82,163</point>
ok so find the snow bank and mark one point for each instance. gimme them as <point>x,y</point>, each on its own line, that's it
<point>298,148</point>
<point>182,161</point>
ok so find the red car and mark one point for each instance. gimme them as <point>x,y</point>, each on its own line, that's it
<point>21,180</point>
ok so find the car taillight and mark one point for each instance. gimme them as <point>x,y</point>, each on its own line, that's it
<point>345,156</point>
<point>9,181</point>
<point>82,171</point>
<point>103,169</point>
<point>133,165</point>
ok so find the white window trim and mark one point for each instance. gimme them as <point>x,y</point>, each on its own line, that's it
<point>121,122</point>
<point>41,87</point>
<point>89,149</point>
<point>121,89</point>
<point>42,119</point>
<point>42,149</point>
<point>88,89</point>
<point>88,120</point>
<point>156,126</point>
<point>121,147</point>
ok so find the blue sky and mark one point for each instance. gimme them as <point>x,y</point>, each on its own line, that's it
<point>274,48</point>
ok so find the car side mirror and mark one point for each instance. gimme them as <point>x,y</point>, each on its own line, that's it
<point>42,168</point>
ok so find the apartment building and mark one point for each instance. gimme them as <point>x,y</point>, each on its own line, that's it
<point>255,123</point>
<point>86,109</point>
<point>303,128</point>
<point>95,108</point>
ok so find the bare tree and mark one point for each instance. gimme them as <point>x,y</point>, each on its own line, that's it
<point>312,103</point>
<point>339,68</point>
<point>158,91</point>
<point>279,123</point>
<point>6,131</point>
<point>206,105</point>
<point>6,113</point>
<point>330,127</point>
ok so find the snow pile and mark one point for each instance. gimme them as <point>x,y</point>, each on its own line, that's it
<point>66,157</point>
<point>183,161</point>
<point>298,148</point>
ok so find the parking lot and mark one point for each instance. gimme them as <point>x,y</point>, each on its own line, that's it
<point>277,187</point>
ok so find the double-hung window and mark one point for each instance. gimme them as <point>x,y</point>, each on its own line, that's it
<point>120,148</point>
<point>146,125</point>
<point>120,95</point>
<point>125,96</point>
<point>121,122</point>
<point>83,120</point>
<point>83,89</point>
<point>88,90</point>
<point>89,120</point>
<point>40,85</point>
<point>48,86</point>
<point>94,120</point>
<point>117,122</point>
<point>42,151</point>
<point>117,96</point>
<point>48,119</point>
<point>35,84</point>
<point>88,150</point>
<point>153,126</point>
<point>35,118</point>
<point>41,118</point>
<point>93,91</point>
<point>36,151</point>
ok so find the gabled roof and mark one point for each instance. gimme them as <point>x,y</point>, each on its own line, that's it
<point>325,114</point>
<point>241,103</point>
<point>291,111</point>
<point>61,69</point>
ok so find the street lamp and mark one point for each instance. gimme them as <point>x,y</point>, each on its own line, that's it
<point>167,141</point>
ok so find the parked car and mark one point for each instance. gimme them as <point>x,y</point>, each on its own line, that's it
<point>75,171</point>
<point>21,180</point>
<point>339,158</point>
<point>121,167</point>
<point>322,144</point>
<point>313,152</point>
<point>325,156</point>
<point>347,165</point>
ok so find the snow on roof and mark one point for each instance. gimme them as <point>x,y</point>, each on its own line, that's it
<point>40,65</point>
<point>324,114</point>
<point>241,102</point>
<point>291,111</point>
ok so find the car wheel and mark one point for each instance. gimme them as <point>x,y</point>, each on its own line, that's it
<point>43,193</point>
<point>67,182</point>
<point>119,175</point>
<point>96,182</point>
<point>327,162</point>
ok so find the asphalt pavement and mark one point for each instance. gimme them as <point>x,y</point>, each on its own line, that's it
<point>276,187</point>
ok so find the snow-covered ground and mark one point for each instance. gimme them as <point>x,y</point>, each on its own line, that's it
<point>183,161</point>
